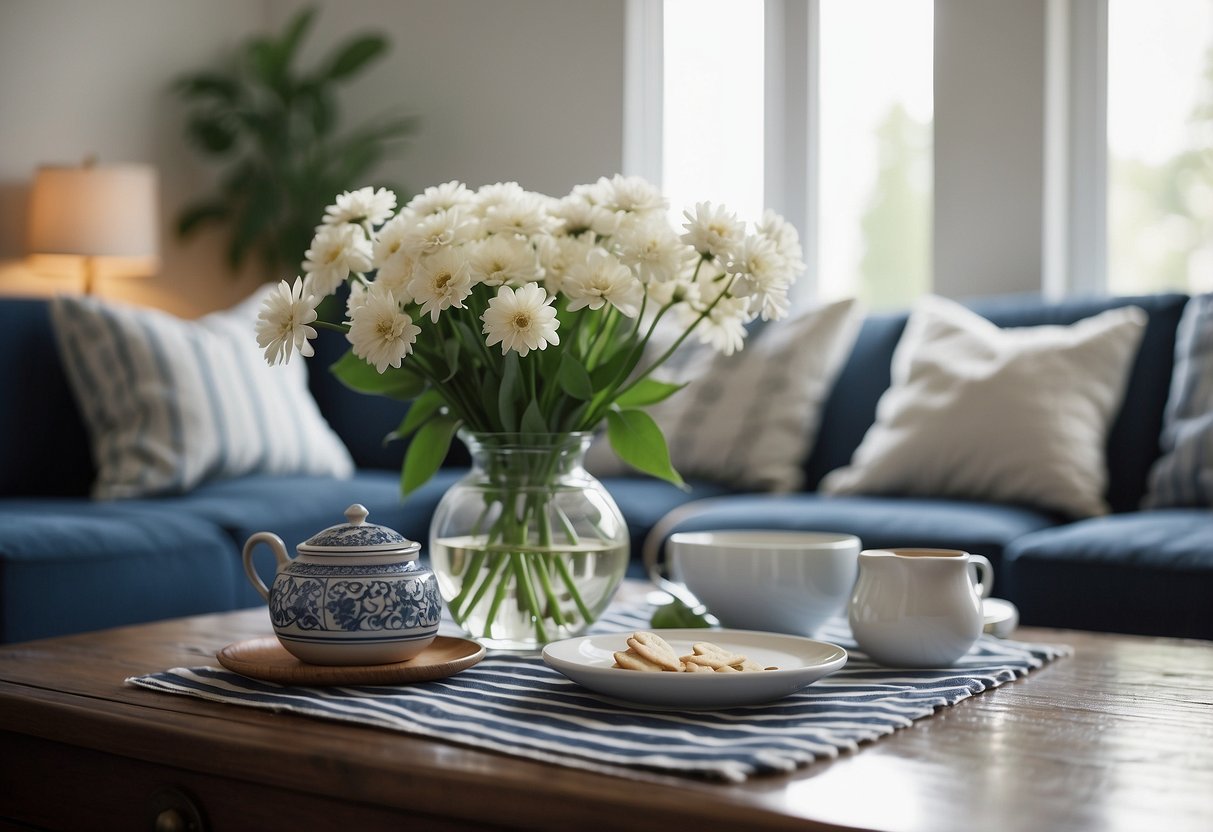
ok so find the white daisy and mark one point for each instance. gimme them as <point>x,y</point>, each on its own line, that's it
<point>444,197</point>
<point>521,320</point>
<point>602,279</point>
<point>500,260</point>
<point>558,254</point>
<point>787,242</point>
<point>724,326</point>
<point>632,195</point>
<point>393,258</point>
<point>652,250</point>
<point>373,206</point>
<point>357,298</point>
<point>576,214</point>
<point>762,276</point>
<point>428,234</point>
<point>336,252</point>
<point>441,281</point>
<point>282,323</point>
<point>524,214</point>
<point>381,334</point>
<point>711,230</point>
<point>491,195</point>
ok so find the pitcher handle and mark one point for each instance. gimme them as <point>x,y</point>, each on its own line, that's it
<point>985,575</point>
<point>276,546</point>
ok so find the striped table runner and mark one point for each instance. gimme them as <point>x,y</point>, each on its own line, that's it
<point>517,705</point>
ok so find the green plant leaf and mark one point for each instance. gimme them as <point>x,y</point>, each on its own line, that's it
<point>509,395</point>
<point>614,367</point>
<point>200,213</point>
<point>203,85</point>
<point>532,419</point>
<point>646,392</point>
<point>426,453</point>
<point>638,441</point>
<point>211,133</point>
<point>573,378</point>
<point>677,615</point>
<point>354,55</point>
<point>402,383</point>
<point>450,351</point>
<point>423,408</point>
<point>294,34</point>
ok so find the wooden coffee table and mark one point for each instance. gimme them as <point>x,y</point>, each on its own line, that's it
<point>1118,736</point>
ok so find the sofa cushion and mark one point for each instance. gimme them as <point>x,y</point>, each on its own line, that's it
<point>1011,415</point>
<point>1132,440</point>
<point>878,522</point>
<point>1183,476</point>
<point>43,443</point>
<point>1145,572</point>
<point>748,419</point>
<point>171,403</point>
<point>69,565</point>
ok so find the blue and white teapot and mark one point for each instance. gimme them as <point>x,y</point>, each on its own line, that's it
<point>354,595</point>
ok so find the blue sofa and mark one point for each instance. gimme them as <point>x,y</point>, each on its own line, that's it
<point>69,564</point>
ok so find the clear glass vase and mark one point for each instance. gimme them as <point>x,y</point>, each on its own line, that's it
<point>528,548</point>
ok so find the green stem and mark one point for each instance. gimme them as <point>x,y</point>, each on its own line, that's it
<point>527,592</point>
<point>572,587</point>
<point>489,581</point>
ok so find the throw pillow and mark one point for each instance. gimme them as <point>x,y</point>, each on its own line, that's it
<point>1183,475</point>
<point>171,403</point>
<point>1016,415</point>
<point>750,418</point>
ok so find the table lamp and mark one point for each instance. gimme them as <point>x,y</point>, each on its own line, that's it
<point>94,211</point>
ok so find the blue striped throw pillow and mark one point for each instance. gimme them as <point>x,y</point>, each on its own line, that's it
<point>172,403</point>
<point>1183,475</point>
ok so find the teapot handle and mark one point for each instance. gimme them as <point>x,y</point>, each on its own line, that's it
<point>279,549</point>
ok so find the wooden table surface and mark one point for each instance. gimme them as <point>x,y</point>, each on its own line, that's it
<point>1117,736</point>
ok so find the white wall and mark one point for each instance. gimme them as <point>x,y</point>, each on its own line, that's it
<point>530,90</point>
<point>989,146</point>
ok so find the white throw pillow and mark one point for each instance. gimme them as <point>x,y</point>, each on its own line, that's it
<point>171,403</point>
<point>1017,415</point>
<point>1183,475</point>
<point>750,419</point>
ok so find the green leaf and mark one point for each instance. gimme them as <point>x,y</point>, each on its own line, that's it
<point>676,616</point>
<point>617,366</point>
<point>198,214</point>
<point>638,441</point>
<point>354,55</point>
<point>532,419</point>
<point>423,408</point>
<point>573,378</point>
<point>212,133</point>
<point>450,351</point>
<point>509,395</point>
<point>403,383</point>
<point>426,453</point>
<point>293,35</point>
<point>208,85</point>
<point>646,392</point>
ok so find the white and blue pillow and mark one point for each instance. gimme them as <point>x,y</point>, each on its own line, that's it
<point>172,403</point>
<point>1183,475</point>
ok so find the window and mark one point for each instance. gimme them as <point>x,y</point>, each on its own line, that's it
<point>1160,145</point>
<point>871,186</point>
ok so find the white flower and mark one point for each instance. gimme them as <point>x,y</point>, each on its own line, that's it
<point>357,298</point>
<point>652,250</point>
<point>336,252</point>
<point>711,230</point>
<point>762,276</point>
<point>524,214</point>
<point>491,195</point>
<point>373,206</point>
<point>558,254</point>
<point>724,326</point>
<point>631,195</point>
<point>602,279</point>
<point>282,323</point>
<point>787,242</point>
<point>577,214</point>
<point>428,234</point>
<point>393,258</point>
<point>521,320</point>
<point>441,281</point>
<point>501,260</point>
<point>380,332</point>
<point>444,197</point>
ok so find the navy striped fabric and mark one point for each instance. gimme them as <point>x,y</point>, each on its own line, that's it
<point>517,705</point>
<point>171,403</point>
<point>1183,476</point>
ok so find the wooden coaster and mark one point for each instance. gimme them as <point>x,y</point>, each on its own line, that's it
<point>266,659</point>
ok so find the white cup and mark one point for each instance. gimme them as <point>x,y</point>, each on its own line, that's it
<point>775,581</point>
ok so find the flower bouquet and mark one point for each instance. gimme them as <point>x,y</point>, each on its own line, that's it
<point>521,321</point>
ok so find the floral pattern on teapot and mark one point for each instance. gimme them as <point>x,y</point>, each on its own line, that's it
<point>353,605</point>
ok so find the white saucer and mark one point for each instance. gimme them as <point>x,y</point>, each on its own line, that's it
<point>1000,617</point>
<point>800,661</point>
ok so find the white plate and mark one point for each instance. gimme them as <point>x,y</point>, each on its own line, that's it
<point>801,661</point>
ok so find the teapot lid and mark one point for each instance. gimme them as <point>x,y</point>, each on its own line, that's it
<point>358,536</point>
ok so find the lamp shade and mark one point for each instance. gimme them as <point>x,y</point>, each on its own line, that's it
<point>95,211</point>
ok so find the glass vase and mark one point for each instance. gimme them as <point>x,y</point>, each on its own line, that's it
<point>528,548</point>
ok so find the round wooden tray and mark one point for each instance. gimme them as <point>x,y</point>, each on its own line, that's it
<point>266,659</point>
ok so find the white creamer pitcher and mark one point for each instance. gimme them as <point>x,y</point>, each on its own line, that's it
<point>918,607</point>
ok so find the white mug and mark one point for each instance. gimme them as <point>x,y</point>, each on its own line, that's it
<point>918,607</point>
